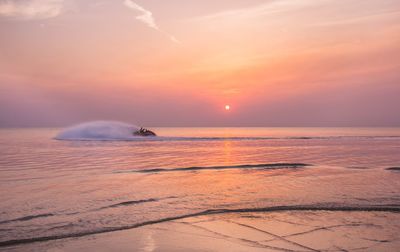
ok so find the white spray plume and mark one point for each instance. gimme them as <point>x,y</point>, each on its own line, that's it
<point>99,130</point>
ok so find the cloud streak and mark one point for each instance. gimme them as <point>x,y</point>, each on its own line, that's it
<point>266,8</point>
<point>31,9</point>
<point>147,18</point>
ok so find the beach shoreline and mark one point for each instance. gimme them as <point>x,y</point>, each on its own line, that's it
<point>271,231</point>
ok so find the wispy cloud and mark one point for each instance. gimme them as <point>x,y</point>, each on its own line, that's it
<point>147,18</point>
<point>268,7</point>
<point>320,12</point>
<point>31,9</point>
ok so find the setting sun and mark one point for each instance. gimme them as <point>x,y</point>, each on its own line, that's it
<point>227,107</point>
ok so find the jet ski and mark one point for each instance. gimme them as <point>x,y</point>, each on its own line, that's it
<point>144,132</point>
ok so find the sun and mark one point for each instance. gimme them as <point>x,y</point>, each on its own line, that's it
<point>227,107</point>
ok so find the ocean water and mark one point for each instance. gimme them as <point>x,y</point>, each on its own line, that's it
<point>75,183</point>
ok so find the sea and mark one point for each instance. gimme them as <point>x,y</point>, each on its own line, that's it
<point>97,177</point>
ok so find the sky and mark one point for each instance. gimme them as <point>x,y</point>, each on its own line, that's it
<point>179,62</point>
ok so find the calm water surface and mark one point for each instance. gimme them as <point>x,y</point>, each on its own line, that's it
<point>53,188</point>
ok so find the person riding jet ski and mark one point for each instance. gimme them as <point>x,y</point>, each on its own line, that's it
<point>144,132</point>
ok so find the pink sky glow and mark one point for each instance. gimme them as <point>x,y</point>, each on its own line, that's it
<point>178,63</point>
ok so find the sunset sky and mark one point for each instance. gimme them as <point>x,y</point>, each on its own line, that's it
<point>180,62</point>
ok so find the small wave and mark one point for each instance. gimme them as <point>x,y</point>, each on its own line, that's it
<point>128,203</point>
<point>125,203</point>
<point>331,208</point>
<point>393,169</point>
<point>26,218</point>
<point>358,167</point>
<point>134,202</point>
<point>200,168</point>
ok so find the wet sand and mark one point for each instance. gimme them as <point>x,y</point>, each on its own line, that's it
<point>273,231</point>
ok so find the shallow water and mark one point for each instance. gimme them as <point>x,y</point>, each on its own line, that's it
<point>52,188</point>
